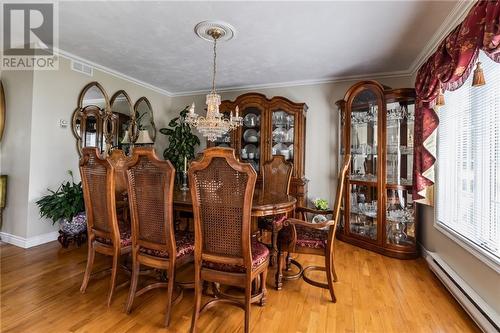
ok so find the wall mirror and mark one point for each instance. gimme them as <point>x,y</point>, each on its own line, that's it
<point>2,110</point>
<point>124,119</point>
<point>145,122</point>
<point>91,124</point>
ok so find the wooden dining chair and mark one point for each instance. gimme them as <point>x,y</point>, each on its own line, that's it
<point>222,192</point>
<point>302,236</point>
<point>105,234</point>
<point>154,241</point>
<point>118,160</point>
<point>276,177</point>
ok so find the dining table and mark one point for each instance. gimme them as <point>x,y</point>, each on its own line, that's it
<point>264,204</point>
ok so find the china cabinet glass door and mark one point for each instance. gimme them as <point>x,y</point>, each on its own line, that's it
<point>364,149</point>
<point>251,137</point>
<point>283,134</point>
<point>400,208</point>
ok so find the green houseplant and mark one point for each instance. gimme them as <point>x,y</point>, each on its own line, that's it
<point>320,204</point>
<point>65,205</point>
<point>181,141</point>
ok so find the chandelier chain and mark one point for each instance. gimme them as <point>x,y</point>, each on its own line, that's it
<point>215,65</point>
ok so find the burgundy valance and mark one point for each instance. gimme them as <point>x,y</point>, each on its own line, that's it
<point>448,68</point>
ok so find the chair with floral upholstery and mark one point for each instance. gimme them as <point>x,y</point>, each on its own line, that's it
<point>105,234</point>
<point>155,243</point>
<point>302,236</point>
<point>222,192</point>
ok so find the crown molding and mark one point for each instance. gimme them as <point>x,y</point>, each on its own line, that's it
<point>112,72</point>
<point>311,82</point>
<point>455,17</point>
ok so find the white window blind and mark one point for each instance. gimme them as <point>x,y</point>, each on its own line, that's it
<point>468,161</point>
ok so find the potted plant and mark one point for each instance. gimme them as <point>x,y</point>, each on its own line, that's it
<point>65,206</point>
<point>181,141</point>
<point>320,204</point>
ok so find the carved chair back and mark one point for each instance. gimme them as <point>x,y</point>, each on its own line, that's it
<point>98,182</point>
<point>151,190</point>
<point>276,175</point>
<point>118,159</point>
<point>222,192</point>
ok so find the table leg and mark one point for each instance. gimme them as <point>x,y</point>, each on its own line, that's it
<point>279,271</point>
<point>274,247</point>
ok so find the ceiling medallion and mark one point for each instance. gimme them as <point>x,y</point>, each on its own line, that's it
<point>214,125</point>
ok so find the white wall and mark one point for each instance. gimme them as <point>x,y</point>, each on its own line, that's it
<point>15,148</point>
<point>322,130</point>
<point>45,151</point>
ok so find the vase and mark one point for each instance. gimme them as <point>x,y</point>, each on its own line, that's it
<point>74,226</point>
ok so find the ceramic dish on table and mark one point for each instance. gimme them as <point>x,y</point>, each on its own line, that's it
<point>320,219</point>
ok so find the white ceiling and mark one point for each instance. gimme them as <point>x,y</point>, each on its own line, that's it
<point>276,42</point>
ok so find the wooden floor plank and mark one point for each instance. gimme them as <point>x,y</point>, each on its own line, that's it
<point>39,291</point>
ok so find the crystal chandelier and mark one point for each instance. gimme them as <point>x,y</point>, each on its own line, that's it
<point>214,125</point>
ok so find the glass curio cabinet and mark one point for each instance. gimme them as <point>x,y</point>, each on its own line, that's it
<point>376,128</point>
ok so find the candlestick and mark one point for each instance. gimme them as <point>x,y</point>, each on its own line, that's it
<point>185,163</point>
<point>237,111</point>
<point>184,186</point>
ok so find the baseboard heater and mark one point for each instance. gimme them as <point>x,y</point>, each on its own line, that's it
<point>485,317</point>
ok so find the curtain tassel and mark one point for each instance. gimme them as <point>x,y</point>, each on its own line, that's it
<point>440,98</point>
<point>478,79</point>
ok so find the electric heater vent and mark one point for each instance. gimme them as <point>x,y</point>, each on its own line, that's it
<point>82,68</point>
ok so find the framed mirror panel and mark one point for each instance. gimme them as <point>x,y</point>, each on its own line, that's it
<point>146,129</point>
<point>2,111</point>
<point>124,120</point>
<point>91,121</point>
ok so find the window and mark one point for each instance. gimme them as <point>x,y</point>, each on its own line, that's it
<point>468,162</point>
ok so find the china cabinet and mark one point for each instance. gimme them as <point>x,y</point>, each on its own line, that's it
<point>274,126</point>
<point>376,125</point>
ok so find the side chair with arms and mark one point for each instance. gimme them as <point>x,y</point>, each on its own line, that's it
<point>154,241</point>
<point>276,175</point>
<point>222,191</point>
<point>301,236</point>
<point>105,234</point>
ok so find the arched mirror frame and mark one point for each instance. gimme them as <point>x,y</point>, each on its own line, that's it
<point>132,128</point>
<point>136,106</point>
<point>104,118</point>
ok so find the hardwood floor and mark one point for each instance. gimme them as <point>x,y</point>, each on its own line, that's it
<point>40,293</point>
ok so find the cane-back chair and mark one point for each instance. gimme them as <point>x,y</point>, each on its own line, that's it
<point>222,192</point>
<point>154,241</point>
<point>276,177</point>
<point>302,236</point>
<point>105,234</point>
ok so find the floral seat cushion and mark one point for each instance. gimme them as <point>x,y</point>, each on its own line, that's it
<point>260,253</point>
<point>306,237</point>
<point>184,244</point>
<point>312,238</point>
<point>270,223</point>
<point>125,237</point>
